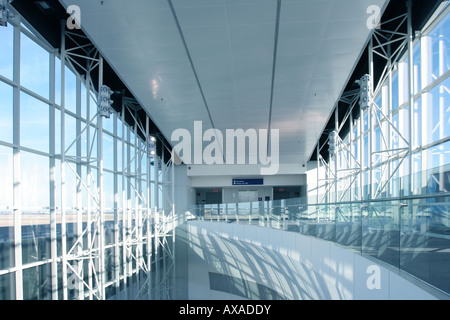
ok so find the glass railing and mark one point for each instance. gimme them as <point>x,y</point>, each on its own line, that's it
<point>410,232</point>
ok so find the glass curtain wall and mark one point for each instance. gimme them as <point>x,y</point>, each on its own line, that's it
<point>49,189</point>
<point>396,207</point>
<point>425,126</point>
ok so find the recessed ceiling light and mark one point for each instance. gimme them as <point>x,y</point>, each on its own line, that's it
<point>44,6</point>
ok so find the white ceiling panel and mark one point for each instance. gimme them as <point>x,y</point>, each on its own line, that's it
<point>214,60</point>
<point>203,36</point>
<point>148,18</point>
<point>308,11</point>
<point>201,17</point>
<point>248,13</point>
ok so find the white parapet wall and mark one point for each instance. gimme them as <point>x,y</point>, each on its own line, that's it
<point>232,261</point>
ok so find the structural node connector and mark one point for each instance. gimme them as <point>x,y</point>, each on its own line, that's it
<point>105,102</point>
<point>332,143</point>
<point>5,14</point>
<point>365,94</point>
<point>151,149</point>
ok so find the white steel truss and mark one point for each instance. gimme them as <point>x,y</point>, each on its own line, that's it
<point>343,168</point>
<point>87,250</point>
<point>345,171</point>
<point>394,147</point>
<point>143,243</point>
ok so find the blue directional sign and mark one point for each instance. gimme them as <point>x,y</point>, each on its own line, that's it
<point>248,182</point>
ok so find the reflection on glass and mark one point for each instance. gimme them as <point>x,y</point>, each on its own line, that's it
<point>439,114</point>
<point>6,240</point>
<point>440,47</point>
<point>348,225</point>
<point>6,292</point>
<point>35,237</point>
<point>425,239</point>
<point>380,226</point>
<point>417,68</point>
<point>395,92</point>
<point>37,283</point>
<point>406,232</point>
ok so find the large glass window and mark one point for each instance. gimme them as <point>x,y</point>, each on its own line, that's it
<point>84,101</point>
<point>7,51</point>
<point>57,81</point>
<point>70,90</point>
<point>6,220</point>
<point>417,70</point>
<point>6,112</point>
<point>108,151</point>
<point>108,183</point>
<point>34,123</point>
<point>34,66</point>
<point>441,47</point>
<point>395,91</point>
<point>44,182</point>
<point>439,115</point>
<point>417,123</point>
<point>6,177</point>
<point>411,233</point>
<point>5,286</point>
<point>34,171</point>
<point>70,134</point>
<point>36,283</point>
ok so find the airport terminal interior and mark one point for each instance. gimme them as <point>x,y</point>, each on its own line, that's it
<point>224,150</point>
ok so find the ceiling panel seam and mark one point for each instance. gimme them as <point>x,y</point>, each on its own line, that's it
<point>190,61</point>
<point>274,65</point>
<point>172,9</point>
